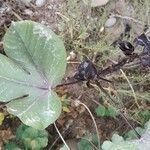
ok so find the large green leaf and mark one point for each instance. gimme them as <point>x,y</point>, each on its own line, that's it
<point>36,64</point>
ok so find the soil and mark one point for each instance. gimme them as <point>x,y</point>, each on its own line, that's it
<point>76,123</point>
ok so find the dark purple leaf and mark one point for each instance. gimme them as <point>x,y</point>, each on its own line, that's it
<point>126,47</point>
<point>145,61</point>
<point>86,71</point>
<point>144,41</point>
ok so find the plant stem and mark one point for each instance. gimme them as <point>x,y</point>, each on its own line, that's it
<point>131,88</point>
<point>61,137</point>
<point>98,137</point>
<point>128,18</point>
<point>69,83</point>
<point>125,118</point>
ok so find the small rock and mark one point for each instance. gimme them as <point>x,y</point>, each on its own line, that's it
<point>28,12</point>
<point>40,3</point>
<point>26,2</point>
<point>102,29</point>
<point>68,58</point>
<point>72,56</point>
<point>110,22</point>
<point>95,3</point>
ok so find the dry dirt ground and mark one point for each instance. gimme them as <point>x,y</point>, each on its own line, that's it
<point>77,122</point>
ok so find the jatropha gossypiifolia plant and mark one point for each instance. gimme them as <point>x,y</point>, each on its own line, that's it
<point>87,71</point>
<point>35,65</point>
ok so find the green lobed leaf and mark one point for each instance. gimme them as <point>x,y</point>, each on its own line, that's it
<point>100,110</point>
<point>35,64</point>
<point>84,145</point>
<point>38,49</point>
<point>111,111</point>
<point>116,138</point>
<point>88,142</point>
<point>144,115</point>
<point>32,138</point>
<point>11,146</point>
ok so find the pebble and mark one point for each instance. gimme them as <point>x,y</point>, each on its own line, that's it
<point>72,56</point>
<point>102,29</point>
<point>40,3</point>
<point>28,12</point>
<point>26,2</point>
<point>96,3</point>
<point>110,22</point>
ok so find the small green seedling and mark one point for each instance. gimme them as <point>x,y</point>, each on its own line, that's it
<point>11,145</point>
<point>144,116</point>
<point>29,138</point>
<point>32,138</point>
<point>35,64</point>
<point>88,143</point>
<point>106,111</point>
